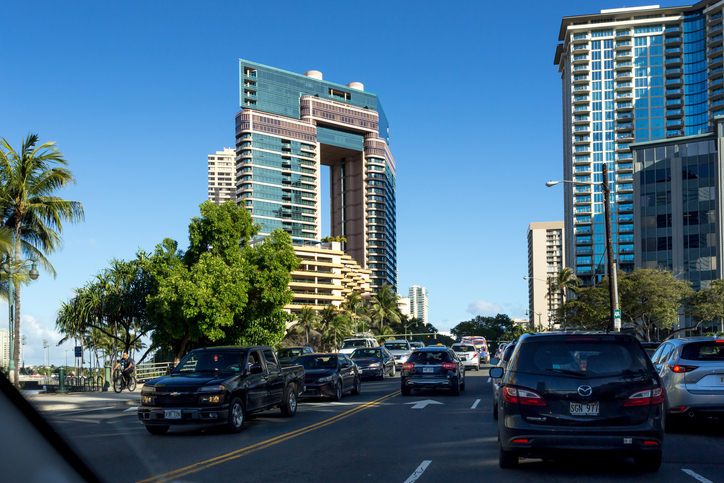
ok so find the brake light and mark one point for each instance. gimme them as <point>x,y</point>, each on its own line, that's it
<point>719,341</point>
<point>646,398</point>
<point>449,365</point>
<point>406,366</point>
<point>651,443</point>
<point>522,396</point>
<point>680,369</point>
<point>520,441</point>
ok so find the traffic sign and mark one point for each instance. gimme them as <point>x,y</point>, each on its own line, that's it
<point>617,314</point>
<point>78,351</point>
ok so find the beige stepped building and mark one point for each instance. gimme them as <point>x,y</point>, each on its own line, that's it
<point>325,276</point>
<point>545,259</point>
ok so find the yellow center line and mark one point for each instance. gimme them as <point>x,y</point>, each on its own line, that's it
<point>264,444</point>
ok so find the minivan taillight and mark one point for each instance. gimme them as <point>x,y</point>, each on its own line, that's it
<point>646,398</point>
<point>525,397</point>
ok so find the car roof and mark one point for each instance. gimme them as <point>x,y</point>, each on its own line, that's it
<point>538,336</point>
<point>464,343</point>
<point>397,340</point>
<point>432,348</point>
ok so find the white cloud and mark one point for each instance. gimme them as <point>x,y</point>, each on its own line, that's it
<point>35,331</point>
<point>483,308</point>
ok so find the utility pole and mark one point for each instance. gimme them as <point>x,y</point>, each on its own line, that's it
<point>612,282</point>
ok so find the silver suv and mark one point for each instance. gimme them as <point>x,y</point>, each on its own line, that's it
<point>692,370</point>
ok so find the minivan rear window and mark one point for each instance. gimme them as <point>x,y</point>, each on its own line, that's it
<point>584,358</point>
<point>702,351</point>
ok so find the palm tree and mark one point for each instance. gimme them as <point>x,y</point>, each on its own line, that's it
<point>307,320</point>
<point>565,280</point>
<point>385,306</point>
<point>29,179</point>
<point>339,327</point>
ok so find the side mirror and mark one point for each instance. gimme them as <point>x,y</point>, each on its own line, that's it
<point>256,369</point>
<point>494,361</point>
<point>170,369</point>
<point>496,372</point>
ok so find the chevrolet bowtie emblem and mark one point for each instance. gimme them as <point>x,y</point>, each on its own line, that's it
<point>175,394</point>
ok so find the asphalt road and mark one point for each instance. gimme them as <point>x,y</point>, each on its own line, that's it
<point>374,437</point>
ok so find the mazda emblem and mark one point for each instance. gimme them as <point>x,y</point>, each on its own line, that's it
<point>585,390</point>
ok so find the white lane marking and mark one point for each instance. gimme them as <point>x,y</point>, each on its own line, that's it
<point>696,476</point>
<point>84,411</point>
<point>129,410</point>
<point>475,404</point>
<point>489,379</point>
<point>418,472</point>
<point>422,404</point>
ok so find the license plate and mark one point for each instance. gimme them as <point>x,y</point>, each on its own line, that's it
<point>428,369</point>
<point>584,409</point>
<point>172,414</point>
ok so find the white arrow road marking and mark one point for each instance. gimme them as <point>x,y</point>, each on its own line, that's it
<point>129,410</point>
<point>694,475</point>
<point>419,471</point>
<point>475,404</point>
<point>489,379</point>
<point>422,404</point>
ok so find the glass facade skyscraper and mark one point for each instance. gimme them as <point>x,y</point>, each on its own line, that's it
<point>629,75</point>
<point>292,124</point>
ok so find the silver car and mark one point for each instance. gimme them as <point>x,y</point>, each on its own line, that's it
<point>467,353</point>
<point>400,350</point>
<point>692,370</point>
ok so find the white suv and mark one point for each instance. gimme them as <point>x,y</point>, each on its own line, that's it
<point>349,345</point>
<point>400,350</point>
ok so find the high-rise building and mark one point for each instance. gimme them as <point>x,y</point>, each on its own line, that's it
<point>404,305</point>
<point>546,245</point>
<point>418,303</point>
<point>629,75</point>
<point>4,348</point>
<point>221,176</point>
<point>289,127</point>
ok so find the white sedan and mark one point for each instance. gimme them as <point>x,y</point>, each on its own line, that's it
<point>468,354</point>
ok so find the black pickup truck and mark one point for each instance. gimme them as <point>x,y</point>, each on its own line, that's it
<point>220,385</point>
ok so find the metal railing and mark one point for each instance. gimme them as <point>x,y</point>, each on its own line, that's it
<point>150,370</point>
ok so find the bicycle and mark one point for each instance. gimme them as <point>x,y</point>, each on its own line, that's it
<point>119,383</point>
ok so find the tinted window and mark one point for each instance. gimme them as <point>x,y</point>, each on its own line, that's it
<point>317,362</point>
<point>664,353</point>
<point>349,344</point>
<point>429,357</point>
<point>464,348</point>
<point>289,353</point>
<point>363,353</point>
<point>207,361</point>
<point>702,351</point>
<point>593,358</point>
<point>271,362</point>
<point>397,346</point>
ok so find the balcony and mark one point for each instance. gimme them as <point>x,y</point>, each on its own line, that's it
<point>623,147</point>
<point>584,109</point>
<point>714,18</point>
<point>584,129</point>
<point>624,116</point>
<point>581,120</point>
<point>673,82</point>
<point>624,167</point>
<point>627,208</point>
<point>624,75</point>
<point>674,113</point>
<point>582,190</point>
<point>580,78</point>
<point>624,96</point>
<point>581,48</point>
<point>673,40</point>
<point>621,44</point>
<point>586,149</point>
<point>584,271</point>
<point>716,61</point>
<point>581,69</point>
<point>583,240</point>
<point>675,123</point>
<point>581,99</point>
<point>624,55</point>
<point>583,230</point>
<point>582,159</point>
<point>623,35</point>
<point>582,89</point>
<point>673,61</point>
<point>672,30</point>
<point>583,210</point>
<point>624,86</point>
<point>584,251</point>
<point>624,157</point>
<point>674,133</point>
<point>624,105</point>
<point>714,29</point>
<point>583,170</point>
<point>623,65</point>
<point>625,136</point>
<point>624,127</point>
<point>674,102</point>
<point>714,50</point>
<point>671,50</point>
<point>716,40</point>
<point>580,140</point>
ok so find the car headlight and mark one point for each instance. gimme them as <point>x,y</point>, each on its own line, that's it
<point>403,358</point>
<point>324,379</point>
<point>214,388</point>
<point>148,390</point>
<point>147,399</point>
<point>375,365</point>
<point>211,399</point>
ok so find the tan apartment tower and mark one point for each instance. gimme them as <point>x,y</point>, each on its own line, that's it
<point>221,176</point>
<point>546,245</point>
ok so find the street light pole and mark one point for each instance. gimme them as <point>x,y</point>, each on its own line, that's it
<point>12,268</point>
<point>612,279</point>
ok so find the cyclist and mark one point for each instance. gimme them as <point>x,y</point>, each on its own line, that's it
<point>128,364</point>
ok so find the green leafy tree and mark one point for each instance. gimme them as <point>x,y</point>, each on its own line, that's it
<point>590,310</point>
<point>705,305</point>
<point>221,290</point>
<point>491,328</point>
<point>651,297</point>
<point>338,328</point>
<point>30,178</point>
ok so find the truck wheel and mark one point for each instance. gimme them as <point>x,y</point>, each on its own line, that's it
<point>236,415</point>
<point>338,391</point>
<point>157,430</point>
<point>357,387</point>
<point>289,402</point>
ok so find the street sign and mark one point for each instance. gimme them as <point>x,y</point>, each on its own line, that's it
<point>617,314</point>
<point>617,320</point>
<point>78,351</point>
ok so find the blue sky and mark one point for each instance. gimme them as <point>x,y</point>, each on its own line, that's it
<point>136,94</point>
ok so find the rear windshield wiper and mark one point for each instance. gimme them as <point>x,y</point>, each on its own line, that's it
<point>565,371</point>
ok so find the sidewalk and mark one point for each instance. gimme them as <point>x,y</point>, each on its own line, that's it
<point>76,401</point>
